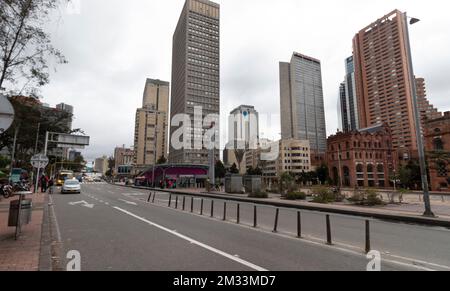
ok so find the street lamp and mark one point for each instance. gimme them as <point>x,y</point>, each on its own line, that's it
<point>417,119</point>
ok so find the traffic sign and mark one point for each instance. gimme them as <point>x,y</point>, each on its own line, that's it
<point>39,161</point>
<point>6,114</point>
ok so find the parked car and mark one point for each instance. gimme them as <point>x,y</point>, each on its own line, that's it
<point>71,186</point>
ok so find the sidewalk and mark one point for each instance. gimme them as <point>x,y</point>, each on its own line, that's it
<point>23,254</point>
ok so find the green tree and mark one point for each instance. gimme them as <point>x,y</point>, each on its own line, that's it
<point>220,170</point>
<point>234,169</point>
<point>323,174</point>
<point>25,48</point>
<point>162,160</point>
<point>287,182</point>
<point>111,166</point>
<point>30,116</point>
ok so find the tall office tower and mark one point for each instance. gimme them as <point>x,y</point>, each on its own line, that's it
<point>69,109</point>
<point>195,76</point>
<point>383,79</point>
<point>243,126</point>
<point>343,115</point>
<point>427,110</point>
<point>348,98</point>
<point>302,104</point>
<point>243,134</point>
<point>150,139</point>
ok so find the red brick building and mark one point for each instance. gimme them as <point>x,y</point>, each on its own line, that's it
<point>437,145</point>
<point>364,158</point>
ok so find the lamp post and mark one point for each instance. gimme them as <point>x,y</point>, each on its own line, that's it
<point>417,119</point>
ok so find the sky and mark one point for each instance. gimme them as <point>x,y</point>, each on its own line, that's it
<point>113,45</point>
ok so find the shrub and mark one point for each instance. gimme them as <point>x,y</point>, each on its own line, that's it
<point>259,195</point>
<point>366,198</point>
<point>323,195</point>
<point>296,196</point>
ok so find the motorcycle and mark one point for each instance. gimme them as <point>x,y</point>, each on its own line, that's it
<point>6,191</point>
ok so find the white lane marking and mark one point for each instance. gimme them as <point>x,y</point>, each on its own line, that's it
<point>192,241</point>
<point>420,262</point>
<point>55,220</point>
<point>83,203</point>
<point>128,202</point>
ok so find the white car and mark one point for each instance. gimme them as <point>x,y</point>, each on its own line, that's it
<point>71,186</point>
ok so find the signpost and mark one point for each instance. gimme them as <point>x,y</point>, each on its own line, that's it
<point>39,162</point>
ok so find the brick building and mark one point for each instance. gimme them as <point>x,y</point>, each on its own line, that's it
<point>364,158</point>
<point>437,145</point>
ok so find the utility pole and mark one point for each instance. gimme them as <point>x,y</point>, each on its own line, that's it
<point>417,119</point>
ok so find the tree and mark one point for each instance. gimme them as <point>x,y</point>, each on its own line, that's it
<point>234,169</point>
<point>254,172</point>
<point>322,173</point>
<point>25,48</point>
<point>111,166</point>
<point>162,160</point>
<point>29,116</point>
<point>220,170</point>
<point>287,182</point>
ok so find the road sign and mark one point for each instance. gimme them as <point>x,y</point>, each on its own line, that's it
<point>39,161</point>
<point>6,114</point>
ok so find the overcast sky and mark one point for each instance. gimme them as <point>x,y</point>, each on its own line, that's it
<point>114,45</point>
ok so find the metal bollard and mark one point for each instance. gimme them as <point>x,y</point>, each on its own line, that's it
<point>224,211</point>
<point>192,204</point>
<point>170,200</point>
<point>149,197</point>
<point>184,203</point>
<point>201,208</point>
<point>176,203</point>
<point>368,247</point>
<point>329,240</point>
<point>212,208</point>
<point>277,214</point>
<point>154,196</point>
<point>255,217</point>
<point>238,214</point>
<point>299,224</point>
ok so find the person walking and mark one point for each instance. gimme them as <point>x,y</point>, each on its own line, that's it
<point>51,183</point>
<point>44,183</point>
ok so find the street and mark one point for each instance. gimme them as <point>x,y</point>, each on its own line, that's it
<point>114,228</point>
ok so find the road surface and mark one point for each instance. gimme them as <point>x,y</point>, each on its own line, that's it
<point>114,228</point>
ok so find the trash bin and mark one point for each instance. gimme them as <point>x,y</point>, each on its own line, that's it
<point>25,214</point>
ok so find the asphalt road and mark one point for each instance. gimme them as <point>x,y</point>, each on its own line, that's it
<point>114,228</point>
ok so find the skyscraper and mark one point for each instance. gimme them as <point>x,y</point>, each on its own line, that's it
<point>195,75</point>
<point>427,110</point>
<point>348,98</point>
<point>383,81</point>
<point>150,139</point>
<point>243,134</point>
<point>302,104</point>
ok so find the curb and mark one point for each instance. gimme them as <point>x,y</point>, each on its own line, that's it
<point>389,217</point>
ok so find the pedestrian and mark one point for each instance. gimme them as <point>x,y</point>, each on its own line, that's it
<point>51,183</point>
<point>44,183</point>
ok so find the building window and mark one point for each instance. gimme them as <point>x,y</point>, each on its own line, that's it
<point>438,144</point>
<point>442,169</point>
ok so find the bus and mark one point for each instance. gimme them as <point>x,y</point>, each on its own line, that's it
<point>62,176</point>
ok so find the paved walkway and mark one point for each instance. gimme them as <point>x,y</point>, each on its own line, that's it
<point>23,254</point>
<point>412,205</point>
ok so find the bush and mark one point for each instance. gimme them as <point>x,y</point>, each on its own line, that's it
<point>296,196</point>
<point>259,195</point>
<point>323,195</point>
<point>366,198</point>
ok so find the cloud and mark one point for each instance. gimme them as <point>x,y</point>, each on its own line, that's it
<point>114,45</point>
